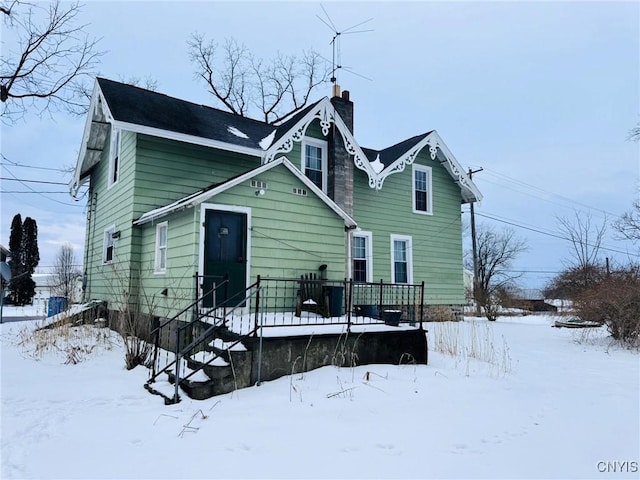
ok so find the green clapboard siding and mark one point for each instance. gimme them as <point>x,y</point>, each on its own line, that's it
<point>167,170</point>
<point>436,239</point>
<point>111,206</point>
<point>290,235</point>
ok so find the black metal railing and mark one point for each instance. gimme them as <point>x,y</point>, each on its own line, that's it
<point>277,302</point>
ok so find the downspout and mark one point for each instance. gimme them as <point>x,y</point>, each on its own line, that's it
<point>349,252</point>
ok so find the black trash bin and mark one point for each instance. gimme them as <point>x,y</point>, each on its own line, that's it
<point>336,300</point>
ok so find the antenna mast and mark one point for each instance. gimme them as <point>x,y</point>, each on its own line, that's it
<point>336,60</point>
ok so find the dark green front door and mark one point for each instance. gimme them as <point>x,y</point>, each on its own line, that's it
<point>225,257</point>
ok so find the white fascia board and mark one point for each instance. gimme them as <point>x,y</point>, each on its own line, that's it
<point>182,137</point>
<point>457,172</point>
<point>76,181</point>
<point>327,114</point>
<point>202,196</point>
<point>470,192</point>
<point>348,221</point>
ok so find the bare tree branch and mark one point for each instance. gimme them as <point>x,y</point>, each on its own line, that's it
<point>65,273</point>
<point>277,89</point>
<point>496,252</point>
<point>51,57</point>
<point>628,225</point>
<point>585,238</point>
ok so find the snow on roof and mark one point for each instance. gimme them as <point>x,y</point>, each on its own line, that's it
<point>236,132</point>
<point>266,142</point>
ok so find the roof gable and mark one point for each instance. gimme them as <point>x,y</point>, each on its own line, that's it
<point>133,105</point>
<point>143,111</point>
<point>213,190</point>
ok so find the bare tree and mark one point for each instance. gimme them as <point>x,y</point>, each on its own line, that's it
<point>277,88</point>
<point>48,57</point>
<point>85,90</point>
<point>496,252</point>
<point>628,225</point>
<point>585,238</point>
<point>634,133</point>
<point>65,273</point>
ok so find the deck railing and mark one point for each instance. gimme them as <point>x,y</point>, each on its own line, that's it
<point>277,302</point>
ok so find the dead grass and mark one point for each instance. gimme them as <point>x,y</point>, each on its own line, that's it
<point>69,342</point>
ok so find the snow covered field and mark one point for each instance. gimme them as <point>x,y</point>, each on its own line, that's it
<point>510,399</point>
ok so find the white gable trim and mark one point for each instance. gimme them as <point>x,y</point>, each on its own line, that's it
<point>183,137</point>
<point>96,99</point>
<point>326,113</point>
<point>202,196</point>
<point>470,192</point>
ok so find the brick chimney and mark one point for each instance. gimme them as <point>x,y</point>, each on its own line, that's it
<point>340,163</point>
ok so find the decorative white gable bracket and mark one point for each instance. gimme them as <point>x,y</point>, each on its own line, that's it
<point>326,113</point>
<point>469,191</point>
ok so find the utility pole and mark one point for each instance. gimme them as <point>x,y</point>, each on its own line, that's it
<point>474,250</point>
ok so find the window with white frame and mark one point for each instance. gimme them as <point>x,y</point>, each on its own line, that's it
<point>108,248</point>
<point>314,161</point>
<point>114,157</point>
<point>362,259</point>
<point>422,189</point>
<point>162,230</point>
<point>401,259</point>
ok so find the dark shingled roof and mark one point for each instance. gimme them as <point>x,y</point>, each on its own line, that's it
<point>144,107</point>
<point>392,153</point>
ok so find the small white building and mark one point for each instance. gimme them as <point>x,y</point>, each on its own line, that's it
<point>44,290</point>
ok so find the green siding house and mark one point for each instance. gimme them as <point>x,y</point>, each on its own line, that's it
<point>181,194</point>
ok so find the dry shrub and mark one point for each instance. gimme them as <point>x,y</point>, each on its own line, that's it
<point>614,302</point>
<point>442,313</point>
<point>132,328</point>
<point>74,343</point>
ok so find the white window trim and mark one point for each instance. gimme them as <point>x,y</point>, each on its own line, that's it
<point>324,146</point>
<point>369,253</point>
<point>157,268</point>
<point>421,168</point>
<point>114,153</point>
<point>110,231</point>
<point>409,240</point>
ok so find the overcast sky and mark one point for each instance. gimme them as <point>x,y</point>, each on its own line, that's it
<point>541,95</point>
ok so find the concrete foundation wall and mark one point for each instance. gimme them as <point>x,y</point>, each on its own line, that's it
<point>289,355</point>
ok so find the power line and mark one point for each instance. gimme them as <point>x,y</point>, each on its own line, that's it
<point>39,192</point>
<point>21,165</point>
<point>43,196</point>
<point>21,180</point>
<point>512,181</point>
<point>555,235</point>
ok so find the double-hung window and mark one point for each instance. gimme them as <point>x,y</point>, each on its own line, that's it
<point>422,190</point>
<point>314,161</point>
<point>161,247</point>
<point>362,259</point>
<point>108,244</point>
<point>401,259</point>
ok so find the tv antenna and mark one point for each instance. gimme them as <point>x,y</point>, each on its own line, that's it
<point>336,61</point>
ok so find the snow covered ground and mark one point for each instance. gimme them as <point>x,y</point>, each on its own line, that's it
<point>510,399</point>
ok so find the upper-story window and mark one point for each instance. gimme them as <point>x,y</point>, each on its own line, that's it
<point>314,161</point>
<point>108,244</point>
<point>362,257</point>
<point>422,190</point>
<point>114,156</point>
<point>401,259</point>
<point>161,247</point>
